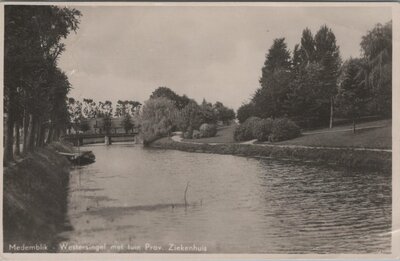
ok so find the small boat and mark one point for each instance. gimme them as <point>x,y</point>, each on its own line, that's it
<point>80,158</point>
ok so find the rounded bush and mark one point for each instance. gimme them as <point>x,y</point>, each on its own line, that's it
<point>284,129</point>
<point>251,124</point>
<point>263,129</point>
<point>245,131</point>
<point>242,133</point>
<point>196,134</point>
<point>208,130</point>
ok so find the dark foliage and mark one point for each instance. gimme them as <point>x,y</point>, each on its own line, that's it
<point>208,130</point>
<point>284,129</point>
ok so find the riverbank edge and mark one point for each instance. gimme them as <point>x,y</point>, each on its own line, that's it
<point>346,157</point>
<point>35,195</point>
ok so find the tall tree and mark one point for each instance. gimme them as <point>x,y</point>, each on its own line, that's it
<point>190,117</point>
<point>245,111</point>
<point>33,44</point>
<point>105,109</point>
<point>127,123</point>
<point>307,47</point>
<point>157,118</point>
<point>134,107</point>
<point>376,48</point>
<point>303,99</point>
<point>223,113</point>
<point>327,54</point>
<point>120,109</point>
<point>58,105</point>
<point>207,112</point>
<point>127,107</point>
<point>316,66</point>
<point>353,94</point>
<point>270,98</point>
<point>75,112</point>
<point>179,101</point>
<point>90,109</point>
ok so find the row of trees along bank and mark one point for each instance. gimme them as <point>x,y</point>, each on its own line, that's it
<point>35,88</point>
<point>81,111</point>
<point>312,85</point>
<point>167,111</point>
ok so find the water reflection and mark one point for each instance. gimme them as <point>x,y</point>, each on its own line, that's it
<point>236,204</point>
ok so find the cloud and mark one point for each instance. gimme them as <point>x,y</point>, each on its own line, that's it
<point>205,52</point>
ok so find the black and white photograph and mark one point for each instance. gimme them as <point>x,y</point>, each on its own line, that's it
<point>199,128</point>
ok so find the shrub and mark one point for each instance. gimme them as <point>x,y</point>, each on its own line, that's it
<point>241,133</point>
<point>188,134</point>
<point>251,124</point>
<point>284,129</point>
<point>244,131</point>
<point>262,129</point>
<point>208,130</point>
<point>196,134</point>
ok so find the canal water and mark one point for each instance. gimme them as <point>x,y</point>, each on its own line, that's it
<point>134,198</point>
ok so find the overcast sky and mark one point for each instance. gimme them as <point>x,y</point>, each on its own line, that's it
<point>204,52</point>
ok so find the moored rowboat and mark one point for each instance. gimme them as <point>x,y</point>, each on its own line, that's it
<point>80,158</point>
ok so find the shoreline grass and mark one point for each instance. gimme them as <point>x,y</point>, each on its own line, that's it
<point>346,157</point>
<point>35,198</point>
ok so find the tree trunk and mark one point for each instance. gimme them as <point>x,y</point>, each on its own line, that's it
<point>50,135</point>
<point>31,133</point>
<point>9,138</point>
<point>56,135</point>
<point>37,133</point>
<point>354,125</point>
<point>17,151</point>
<point>25,132</point>
<point>331,115</point>
<point>40,134</point>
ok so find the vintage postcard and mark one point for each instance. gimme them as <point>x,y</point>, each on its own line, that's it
<point>162,130</point>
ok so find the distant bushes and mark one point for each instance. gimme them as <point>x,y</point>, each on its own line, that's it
<point>266,129</point>
<point>208,130</point>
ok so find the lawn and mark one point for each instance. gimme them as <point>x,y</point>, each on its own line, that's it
<point>342,136</point>
<point>224,135</point>
<point>374,134</point>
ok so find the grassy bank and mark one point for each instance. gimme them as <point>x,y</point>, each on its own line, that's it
<point>373,134</point>
<point>224,135</point>
<point>347,157</point>
<point>35,198</point>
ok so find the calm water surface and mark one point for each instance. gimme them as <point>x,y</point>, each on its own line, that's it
<point>135,196</point>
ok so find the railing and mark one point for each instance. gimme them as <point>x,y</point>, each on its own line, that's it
<point>79,139</point>
<point>98,135</point>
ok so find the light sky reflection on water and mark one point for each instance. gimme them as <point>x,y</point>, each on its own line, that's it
<point>236,204</point>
